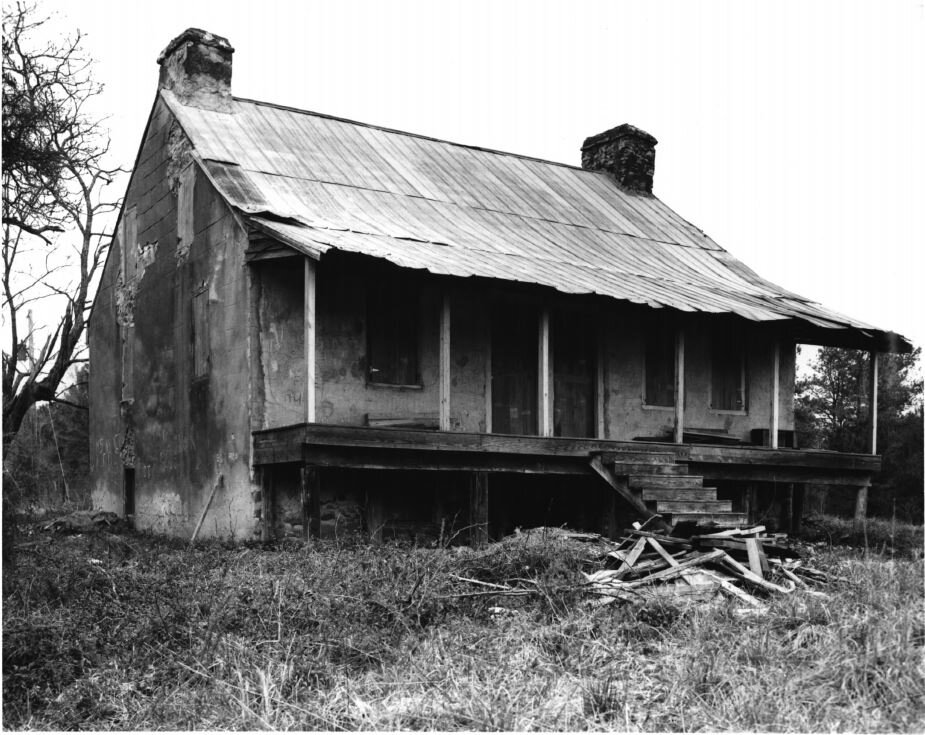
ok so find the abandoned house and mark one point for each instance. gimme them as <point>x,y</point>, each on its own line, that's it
<point>309,325</point>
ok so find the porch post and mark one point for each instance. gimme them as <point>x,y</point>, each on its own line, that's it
<point>309,492</point>
<point>309,336</point>
<point>775,394</point>
<point>600,418</point>
<point>874,368</point>
<point>478,509</point>
<point>545,378</point>
<point>679,387</point>
<point>444,366</point>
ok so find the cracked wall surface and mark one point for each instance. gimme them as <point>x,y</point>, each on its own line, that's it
<point>178,429</point>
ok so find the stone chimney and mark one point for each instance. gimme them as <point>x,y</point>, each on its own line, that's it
<point>196,66</point>
<point>625,152</point>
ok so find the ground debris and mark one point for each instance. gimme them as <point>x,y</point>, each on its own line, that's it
<point>742,563</point>
<point>86,521</point>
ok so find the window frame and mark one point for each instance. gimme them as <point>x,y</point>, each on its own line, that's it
<point>734,344</point>
<point>661,330</point>
<point>405,295</point>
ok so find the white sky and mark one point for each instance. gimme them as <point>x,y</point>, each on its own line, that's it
<point>790,132</point>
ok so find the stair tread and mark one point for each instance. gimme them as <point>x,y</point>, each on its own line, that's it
<point>694,506</point>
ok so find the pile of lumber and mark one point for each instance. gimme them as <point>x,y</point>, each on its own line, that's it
<point>743,563</point>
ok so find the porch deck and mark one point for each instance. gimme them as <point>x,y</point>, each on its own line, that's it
<point>327,445</point>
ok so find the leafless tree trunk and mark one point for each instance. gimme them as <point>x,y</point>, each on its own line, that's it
<point>54,176</point>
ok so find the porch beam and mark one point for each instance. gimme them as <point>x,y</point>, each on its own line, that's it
<point>309,337</point>
<point>600,418</point>
<point>545,378</point>
<point>874,369</point>
<point>444,366</point>
<point>775,394</point>
<point>679,387</point>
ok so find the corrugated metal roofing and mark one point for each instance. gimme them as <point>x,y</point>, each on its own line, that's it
<point>319,183</point>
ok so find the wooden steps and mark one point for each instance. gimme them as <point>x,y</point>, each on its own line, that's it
<point>664,487</point>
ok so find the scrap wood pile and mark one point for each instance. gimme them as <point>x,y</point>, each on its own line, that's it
<point>738,563</point>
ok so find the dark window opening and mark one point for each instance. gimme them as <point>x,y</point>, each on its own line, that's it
<point>392,333</point>
<point>728,372</point>
<point>574,363</point>
<point>128,493</point>
<point>660,365</point>
<point>514,369</point>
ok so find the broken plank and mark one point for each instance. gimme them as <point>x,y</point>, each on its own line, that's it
<point>675,571</point>
<point>750,575</point>
<point>631,558</point>
<point>729,587</point>
<point>670,540</point>
<point>755,530</point>
<point>757,561</point>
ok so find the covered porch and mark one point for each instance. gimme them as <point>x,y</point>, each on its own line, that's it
<point>700,482</point>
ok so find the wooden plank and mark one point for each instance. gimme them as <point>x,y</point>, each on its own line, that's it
<point>672,562</point>
<point>754,530</point>
<point>665,481</point>
<point>757,463</point>
<point>874,369</point>
<point>775,393</point>
<point>729,587</point>
<point>220,482</point>
<point>310,492</point>
<point>750,575</point>
<point>720,519</point>
<point>383,458</point>
<point>478,509</point>
<point>670,540</point>
<point>675,571</point>
<point>679,494</point>
<point>545,377</point>
<point>679,388</point>
<point>624,492</point>
<point>694,506</point>
<point>310,335</point>
<point>600,382</point>
<point>444,364</point>
<point>757,561</point>
<point>637,453</point>
<point>757,473</point>
<point>631,558</point>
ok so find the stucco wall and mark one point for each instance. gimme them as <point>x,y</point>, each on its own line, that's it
<point>188,429</point>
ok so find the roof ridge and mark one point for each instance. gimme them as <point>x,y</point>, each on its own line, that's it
<point>415,135</point>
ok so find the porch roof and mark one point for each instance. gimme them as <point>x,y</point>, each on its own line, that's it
<point>319,183</point>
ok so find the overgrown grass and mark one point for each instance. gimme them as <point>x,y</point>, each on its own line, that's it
<point>134,632</point>
<point>890,537</point>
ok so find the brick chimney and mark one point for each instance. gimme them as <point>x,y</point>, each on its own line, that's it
<point>625,152</point>
<point>196,66</point>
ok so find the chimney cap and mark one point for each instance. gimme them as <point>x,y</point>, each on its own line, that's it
<point>196,35</point>
<point>621,131</point>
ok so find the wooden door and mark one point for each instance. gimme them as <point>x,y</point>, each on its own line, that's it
<point>514,367</point>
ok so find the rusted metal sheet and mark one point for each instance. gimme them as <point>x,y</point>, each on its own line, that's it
<point>320,183</point>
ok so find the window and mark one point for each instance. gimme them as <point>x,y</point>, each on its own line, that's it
<point>660,364</point>
<point>392,332</point>
<point>728,379</point>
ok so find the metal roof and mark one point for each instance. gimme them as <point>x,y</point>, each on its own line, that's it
<point>319,183</point>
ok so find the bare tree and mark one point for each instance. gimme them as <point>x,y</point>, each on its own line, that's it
<point>54,205</point>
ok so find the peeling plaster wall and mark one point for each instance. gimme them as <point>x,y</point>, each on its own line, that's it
<point>624,383</point>
<point>280,323</point>
<point>185,429</point>
<point>344,396</point>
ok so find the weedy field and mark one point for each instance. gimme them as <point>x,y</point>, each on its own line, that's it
<point>125,632</point>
